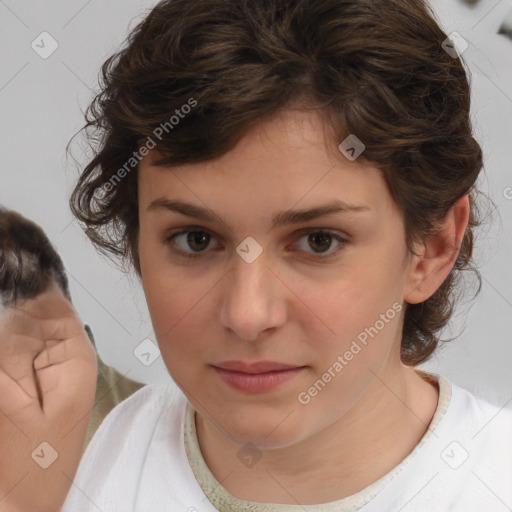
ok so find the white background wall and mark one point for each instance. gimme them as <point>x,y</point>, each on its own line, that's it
<point>41,104</point>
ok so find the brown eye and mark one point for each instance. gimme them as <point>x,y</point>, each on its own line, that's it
<point>321,241</point>
<point>198,240</point>
<point>190,242</point>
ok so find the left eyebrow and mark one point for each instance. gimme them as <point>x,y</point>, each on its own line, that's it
<point>286,217</point>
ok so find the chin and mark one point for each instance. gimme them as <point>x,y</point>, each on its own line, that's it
<point>264,433</point>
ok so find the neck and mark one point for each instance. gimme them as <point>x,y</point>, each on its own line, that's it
<point>342,459</point>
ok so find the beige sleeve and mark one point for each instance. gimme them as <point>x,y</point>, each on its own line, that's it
<point>111,389</point>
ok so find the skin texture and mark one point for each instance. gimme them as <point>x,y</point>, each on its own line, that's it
<point>289,306</point>
<point>48,380</point>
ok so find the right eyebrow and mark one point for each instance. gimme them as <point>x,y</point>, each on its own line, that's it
<point>286,217</point>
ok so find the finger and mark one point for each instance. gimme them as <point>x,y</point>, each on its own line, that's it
<point>19,331</point>
<point>14,346</point>
<point>55,352</point>
<point>15,402</point>
<point>67,374</point>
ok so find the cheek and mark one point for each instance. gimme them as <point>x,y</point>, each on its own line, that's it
<point>351,343</point>
<point>175,323</point>
<point>169,304</point>
<point>165,291</point>
<point>350,298</point>
<point>348,309</point>
<point>164,294</point>
<point>178,306</point>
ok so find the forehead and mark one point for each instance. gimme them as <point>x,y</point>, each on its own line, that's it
<point>288,160</point>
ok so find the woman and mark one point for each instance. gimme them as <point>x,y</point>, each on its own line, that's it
<point>294,184</point>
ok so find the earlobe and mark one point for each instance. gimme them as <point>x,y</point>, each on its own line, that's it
<point>437,254</point>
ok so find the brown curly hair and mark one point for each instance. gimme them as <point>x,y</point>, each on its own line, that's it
<point>376,68</point>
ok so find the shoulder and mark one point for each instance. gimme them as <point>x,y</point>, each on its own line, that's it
<point>128,429</point>
<point>480,430</point>
<point>115,460</point>
<point>479,409</point>
<point>462,464</point>
<point>461,407</point>
<point>472,425</point>
<point>143,406</point>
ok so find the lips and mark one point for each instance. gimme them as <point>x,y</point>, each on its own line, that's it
<point>256,367</point>
<point>258,377</point>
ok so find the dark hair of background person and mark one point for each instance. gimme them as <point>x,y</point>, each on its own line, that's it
<point>29,264</point>
<point>373,68</point>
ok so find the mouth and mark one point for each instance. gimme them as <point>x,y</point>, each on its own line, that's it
<point>256,367</point>
<point>256,377</point>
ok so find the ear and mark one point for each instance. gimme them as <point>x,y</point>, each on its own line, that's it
<point>437,254</point>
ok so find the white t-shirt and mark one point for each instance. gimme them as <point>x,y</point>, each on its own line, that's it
<point>145,458</point>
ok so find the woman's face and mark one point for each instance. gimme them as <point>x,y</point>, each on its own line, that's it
<point>256,282</point>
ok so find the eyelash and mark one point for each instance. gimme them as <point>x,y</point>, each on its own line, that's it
<point>169,239</point>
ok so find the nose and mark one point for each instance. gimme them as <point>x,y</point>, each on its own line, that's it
<point>253,298</point>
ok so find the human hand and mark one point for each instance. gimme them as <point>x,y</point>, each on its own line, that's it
<point>48,374</point>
